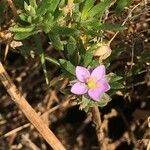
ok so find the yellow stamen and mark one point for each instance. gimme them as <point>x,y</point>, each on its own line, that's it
<point>91,83</point>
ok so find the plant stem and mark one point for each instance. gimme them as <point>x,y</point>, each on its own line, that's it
<point>99,131</point>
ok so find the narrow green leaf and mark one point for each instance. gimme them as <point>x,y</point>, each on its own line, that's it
<point>64,30</point>
<point>37,40</point>
<point>26,6</point>
<point>81,47</point>
<point>71,45</point>
<point>121,4</point>
<point>114,77</point>
<point>22,29</point>
<point>47,5</point>
<point>62,3</point>
<point>111,27</point>
<point>67,66</point>
<point>42,56</point>
<point>43,7</point>
<point>99,8</point>
<point>52,60</point>
<point>87,6</point>
<point>73,55</point>
<point>91,23</point>
<point>21,36</point>
<point>56,41</point>
<point>116,85</point>
<point>52,7</point>
<point>23,17</point>
<point>33,3</point>
<point>87,57</point>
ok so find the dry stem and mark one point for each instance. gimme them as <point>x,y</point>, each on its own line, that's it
<point>29,112</point>
<point>99,131</point>
<point>13,8</point>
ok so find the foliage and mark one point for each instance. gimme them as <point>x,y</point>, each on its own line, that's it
<point>74,29</point>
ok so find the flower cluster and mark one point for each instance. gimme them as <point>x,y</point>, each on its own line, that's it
<point>93,83</point>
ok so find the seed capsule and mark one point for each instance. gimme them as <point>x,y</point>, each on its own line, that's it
<point>103,52</point>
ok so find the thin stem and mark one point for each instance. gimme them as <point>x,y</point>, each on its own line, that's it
<point>12,6</point>
<point>99,131</point>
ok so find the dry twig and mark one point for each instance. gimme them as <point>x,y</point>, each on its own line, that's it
<point>99,131</point>
<point>13,8</point>
<point>29,112</point>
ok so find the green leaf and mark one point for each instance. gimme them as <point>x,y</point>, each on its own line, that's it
<point>72,50</point>
<point>104,101</point>
<point>116,85</point>
<point>37,40</point>
<point>42,56</point>
<point>85,103</point>
<point>99,8</point>
<point>48,22</point>
<point>52,60</point>
<point>22,29</point>
<point>87,6</point>
<point>56,41</point>
<point>53,5</point>
<point>43,7</point>
<point>121,4</point>
<point>111,27</point>
<point>87,58</point>
<point>26,6</point>
<point>81,47</point>
<point>64,30</point>
<point>62,3</point>
<point>116,52</point>
<point>55,80</point>
<point>91,23</point>
<point>114,77</point>
<point>33,3</point>
<point>23,35</point>
<point>71,46</point>
<point>47,5</point>
<point>68,66</point>
<point>23,17</point>
<point>30,10</point>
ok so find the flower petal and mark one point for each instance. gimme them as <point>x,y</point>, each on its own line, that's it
<point>96,94</point>
<point>82,73</point>
<point>79,88</point>
<point>99,72</point>
<point>104,85</point>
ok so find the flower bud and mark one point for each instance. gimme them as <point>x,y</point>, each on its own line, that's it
<point>103,51</point>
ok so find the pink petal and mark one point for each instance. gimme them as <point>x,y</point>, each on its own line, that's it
<point>99,72</point>
<point>82,73</point>
<point>79,88</point>
<point>96,94</point>
<point>104,85</point>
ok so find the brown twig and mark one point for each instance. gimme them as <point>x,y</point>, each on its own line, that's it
<point>16,130</point>
<point>29,112</point>
<point>12,6</point>
<point>60,106</point>
<point>29,142</point>
<point>99,131</point>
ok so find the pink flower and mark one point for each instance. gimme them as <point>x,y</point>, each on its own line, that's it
<point>93,83</point>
